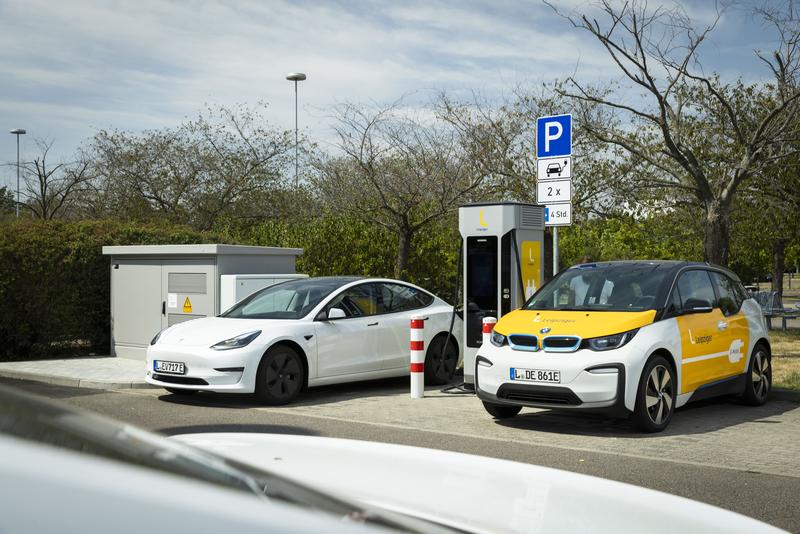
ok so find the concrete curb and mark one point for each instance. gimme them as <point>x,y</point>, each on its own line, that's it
<point>73,382</point>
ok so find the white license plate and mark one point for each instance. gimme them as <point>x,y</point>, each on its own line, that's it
<point>173,368</point>
<point>535,375</point>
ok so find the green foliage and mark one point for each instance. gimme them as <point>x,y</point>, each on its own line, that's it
<point>346,245</point>
<point>55,283</point>
<point>7,202</point>
<point>668,236</point>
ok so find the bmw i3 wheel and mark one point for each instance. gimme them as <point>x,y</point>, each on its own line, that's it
<point>280,376</point>
<point>655,400</point>
<point>759,377</point>
<point>501,411</point>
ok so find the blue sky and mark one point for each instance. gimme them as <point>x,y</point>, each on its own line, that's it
<point>72,67</point>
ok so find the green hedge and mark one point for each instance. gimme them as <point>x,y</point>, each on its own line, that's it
<point>54,282</point>
<point>54,286</point>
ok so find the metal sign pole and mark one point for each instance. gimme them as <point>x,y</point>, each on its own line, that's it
<point>555,250</point>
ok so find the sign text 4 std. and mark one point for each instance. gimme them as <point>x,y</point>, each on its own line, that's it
<point>558,215</point>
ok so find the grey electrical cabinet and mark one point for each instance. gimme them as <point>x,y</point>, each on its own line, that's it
<point>156,286</point>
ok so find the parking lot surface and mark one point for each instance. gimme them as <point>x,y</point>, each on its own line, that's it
<point>741,458</point>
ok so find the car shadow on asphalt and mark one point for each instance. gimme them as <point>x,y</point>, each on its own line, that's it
<point>239,428</point>
<point>312,397</point>
<point>699,417</point>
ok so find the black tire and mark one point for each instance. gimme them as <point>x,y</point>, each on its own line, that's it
<point>501,411</point>
<point>178,391</point>
<point>280,376</point>
<point>438,370</point>
<point>656,396</point>
<point>758,382</point>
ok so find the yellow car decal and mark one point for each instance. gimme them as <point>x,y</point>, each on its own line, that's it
<point>585,324</point>
<point>713,347</point>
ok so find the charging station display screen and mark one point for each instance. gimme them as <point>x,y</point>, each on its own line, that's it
<point>481,259</point>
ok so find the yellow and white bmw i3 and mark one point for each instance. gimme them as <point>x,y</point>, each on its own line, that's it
<point>640,337</point>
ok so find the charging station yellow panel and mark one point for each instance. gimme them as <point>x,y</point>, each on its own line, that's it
<point>531,261</point>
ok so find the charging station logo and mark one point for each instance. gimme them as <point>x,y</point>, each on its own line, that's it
<point>483,225</point>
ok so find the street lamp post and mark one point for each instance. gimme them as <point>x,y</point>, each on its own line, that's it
<point>295,77</point>
<point>18,132</point>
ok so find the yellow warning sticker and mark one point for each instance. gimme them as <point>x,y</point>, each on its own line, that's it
<point>187,306</point>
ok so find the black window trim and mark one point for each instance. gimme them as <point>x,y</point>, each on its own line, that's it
<point>693,268</point>
<point>717,291</point>
<point>326,306</point>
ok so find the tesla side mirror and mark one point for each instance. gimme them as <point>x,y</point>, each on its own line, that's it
<point>697,306</point>
<point>336,313</point>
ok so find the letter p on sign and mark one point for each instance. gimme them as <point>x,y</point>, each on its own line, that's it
<point>554,136</point>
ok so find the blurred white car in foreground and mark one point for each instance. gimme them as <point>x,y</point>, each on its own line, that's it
<point>67,471</point>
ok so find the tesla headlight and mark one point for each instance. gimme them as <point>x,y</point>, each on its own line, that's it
<point>611,342</point>
<point>155,339</point>
<point>497,339</point>
<point>236,342</point>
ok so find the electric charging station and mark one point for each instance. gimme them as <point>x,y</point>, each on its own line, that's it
<point>503,251</point>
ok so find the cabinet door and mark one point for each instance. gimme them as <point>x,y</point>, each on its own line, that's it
<point>136,301</point>
<point>188,291</point>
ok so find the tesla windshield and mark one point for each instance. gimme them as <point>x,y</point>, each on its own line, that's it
<point>612,287</point>
<point>289,300</point>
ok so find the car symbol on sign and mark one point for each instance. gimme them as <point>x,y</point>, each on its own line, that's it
<point>556,168</point>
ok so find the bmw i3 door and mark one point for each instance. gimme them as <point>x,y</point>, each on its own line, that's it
<point>706,340</point>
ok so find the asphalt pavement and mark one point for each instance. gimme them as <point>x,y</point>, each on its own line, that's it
<point>718,452</point>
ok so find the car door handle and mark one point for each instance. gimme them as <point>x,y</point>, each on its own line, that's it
<point>373,324</point>
<point>722,325</point>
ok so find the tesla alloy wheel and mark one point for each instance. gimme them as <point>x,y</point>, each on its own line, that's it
<point>280,376</point>
<point>655,400</point>
<point>440,368</point>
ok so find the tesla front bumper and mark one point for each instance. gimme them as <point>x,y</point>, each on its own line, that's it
<point>586,382</point>
<point>231,371</point>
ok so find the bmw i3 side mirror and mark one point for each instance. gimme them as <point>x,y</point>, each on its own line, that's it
<point>336,313</point>
<point>697,306</point>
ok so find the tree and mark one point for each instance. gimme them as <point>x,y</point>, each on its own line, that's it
<point>7,202</point>
<point>194,173</point>
<point>50,189</point>
<point>395,170</point>
<point>700,138</point>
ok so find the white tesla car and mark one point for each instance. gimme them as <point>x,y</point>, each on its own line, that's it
<point>306,333</point>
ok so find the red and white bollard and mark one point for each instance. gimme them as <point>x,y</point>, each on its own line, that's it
<point>417,366</point>
<point>488,326</point>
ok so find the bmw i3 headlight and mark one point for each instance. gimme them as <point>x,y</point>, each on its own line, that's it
<point>611,342</point>
<point>498,340</point>
<point>236,342</point>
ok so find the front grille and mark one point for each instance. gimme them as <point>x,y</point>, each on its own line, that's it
<point>523,342</point>
<point>185,380</point>
<point>558,396</point>
<point>561,343</point>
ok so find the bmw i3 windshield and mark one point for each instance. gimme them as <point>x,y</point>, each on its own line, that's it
<point>593,287</point>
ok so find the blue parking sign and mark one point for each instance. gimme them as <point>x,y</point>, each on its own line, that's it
<point>554,136</point>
